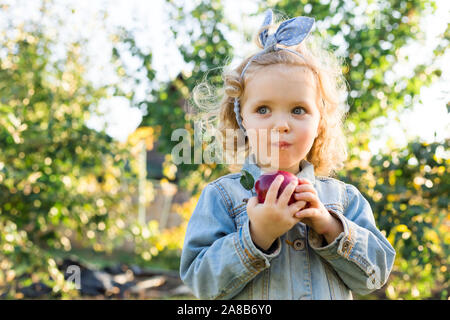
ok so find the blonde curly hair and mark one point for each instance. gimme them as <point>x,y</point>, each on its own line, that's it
<point>329,150</point>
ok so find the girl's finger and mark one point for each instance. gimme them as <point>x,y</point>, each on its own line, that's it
<point>305,188</point>
<point>296,206</point>
<point>308,197</point>
<point>271,196</point>
<point>252,202</point>
<point>306,213</point>
<point>287,193</point>
<point>304,181</point>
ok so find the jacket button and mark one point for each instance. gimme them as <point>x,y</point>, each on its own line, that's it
<point>299,244</point>
<point>258,264</point>
<point>346,247</point>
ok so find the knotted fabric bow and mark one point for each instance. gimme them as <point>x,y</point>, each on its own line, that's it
<point>290,32</point>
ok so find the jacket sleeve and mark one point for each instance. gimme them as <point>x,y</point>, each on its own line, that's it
<point>218,258</point>
<point>361,255</point>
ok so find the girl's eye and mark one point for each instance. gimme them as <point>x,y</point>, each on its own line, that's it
<point>262,110</point>
<point>299,110</point>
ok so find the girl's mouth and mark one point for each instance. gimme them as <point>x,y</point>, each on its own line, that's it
<point>282,144</point>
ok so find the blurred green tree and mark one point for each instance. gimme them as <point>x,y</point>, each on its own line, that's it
<point>59,180</point>
<point>408,191</point>
<point>166,107</point>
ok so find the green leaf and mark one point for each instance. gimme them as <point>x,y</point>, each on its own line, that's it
<point>247,180</point>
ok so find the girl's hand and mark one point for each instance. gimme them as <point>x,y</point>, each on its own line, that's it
<point>315,215</point>
<point>274,217</point>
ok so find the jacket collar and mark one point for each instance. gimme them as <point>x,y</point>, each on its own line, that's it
<point>306,169</point>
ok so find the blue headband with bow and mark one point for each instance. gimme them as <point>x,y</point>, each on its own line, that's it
<point>289,33</point>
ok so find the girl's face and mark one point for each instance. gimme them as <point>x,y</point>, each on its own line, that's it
<point>281,116</point>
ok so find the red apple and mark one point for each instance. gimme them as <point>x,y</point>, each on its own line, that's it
<point>263,183</point>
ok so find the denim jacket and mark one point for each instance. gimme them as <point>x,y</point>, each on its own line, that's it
<point>220,261</point>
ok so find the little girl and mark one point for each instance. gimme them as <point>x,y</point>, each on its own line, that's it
<point>325,244</point>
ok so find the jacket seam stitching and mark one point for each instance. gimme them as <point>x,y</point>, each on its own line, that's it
<point>266,277</point>
<point>329,280</point>
<point>323,178</point>
<point>346,199</point>
<point>356,259</point>
<point>239,250</point>
<point>239,279</point>
<point>309,267</point>
<point>224,195</point>
<point>334,205</point>
<point>229,176</point>
<point>235,211</point>
<point>235,283</point>
<point>243,251</point>
<point>353,258</point>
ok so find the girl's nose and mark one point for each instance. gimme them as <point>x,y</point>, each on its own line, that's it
<point>281,125</point>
